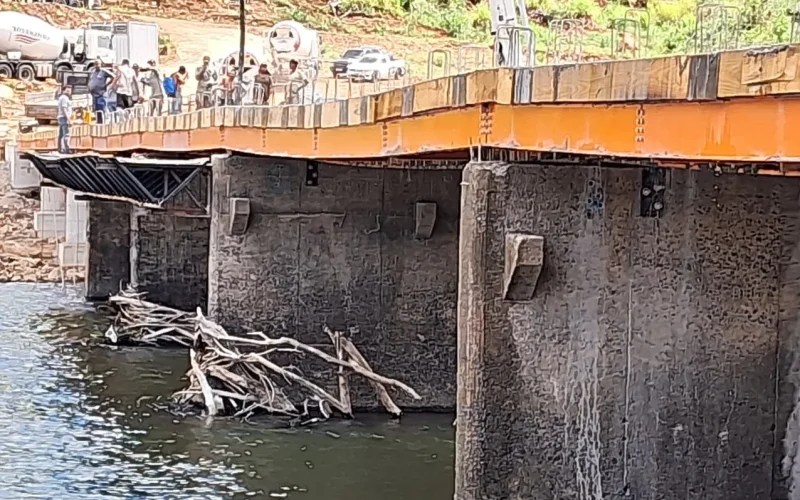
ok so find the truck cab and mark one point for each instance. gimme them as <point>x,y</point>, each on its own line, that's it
<point>90,44</point>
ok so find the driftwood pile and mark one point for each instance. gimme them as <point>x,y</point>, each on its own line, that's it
<point>239,375</point>
<point>142,322</point>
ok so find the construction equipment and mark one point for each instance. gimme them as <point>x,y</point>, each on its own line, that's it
<point>567,41</point>
<point>514,40</point>
<point>43,106</point>
<point>717,27</point>
<point>630,35</point>
<point>290,40</point>
<point>32,48</point>
<point>135,41</point>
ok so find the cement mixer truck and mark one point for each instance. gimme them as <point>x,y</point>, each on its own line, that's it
<point>289,40</point>
<point>32,48</point>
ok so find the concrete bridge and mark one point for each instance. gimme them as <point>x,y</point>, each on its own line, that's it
<point>598,264</point>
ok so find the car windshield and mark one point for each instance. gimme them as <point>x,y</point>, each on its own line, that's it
<point>351,54</point>
<point>369,59</point>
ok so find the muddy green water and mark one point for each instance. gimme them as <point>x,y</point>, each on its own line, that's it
<point>81,421</point>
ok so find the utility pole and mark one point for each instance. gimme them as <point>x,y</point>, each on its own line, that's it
<point>242,36</point>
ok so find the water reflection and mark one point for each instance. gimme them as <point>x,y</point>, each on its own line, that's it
<point>86,421</point>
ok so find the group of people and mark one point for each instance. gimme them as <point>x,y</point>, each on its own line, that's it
<point>231,91</point>
<point>123,86</point>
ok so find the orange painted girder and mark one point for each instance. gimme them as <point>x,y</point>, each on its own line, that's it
<point>747,129</point>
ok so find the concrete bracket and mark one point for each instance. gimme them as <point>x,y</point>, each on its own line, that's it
<point>239,215</point>
<point>425,219</point>
<point>524,260</point>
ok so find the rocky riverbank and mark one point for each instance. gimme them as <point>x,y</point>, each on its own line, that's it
<point>23,256</point>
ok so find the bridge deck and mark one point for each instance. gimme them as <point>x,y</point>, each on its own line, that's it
<point>731,107</point>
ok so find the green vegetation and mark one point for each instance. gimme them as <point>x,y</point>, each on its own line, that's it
<point>669,24</point>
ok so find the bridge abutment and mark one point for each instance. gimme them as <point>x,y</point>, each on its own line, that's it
<point>652,359</point>
<point>296,245</point>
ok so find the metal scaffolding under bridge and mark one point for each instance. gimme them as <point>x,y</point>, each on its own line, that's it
<point>163,184</point>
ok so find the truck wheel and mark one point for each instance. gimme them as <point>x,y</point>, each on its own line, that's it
<point>6,70</point>
<point>26,72</point>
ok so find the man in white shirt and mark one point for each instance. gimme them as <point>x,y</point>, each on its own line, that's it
<point>297,82</point>
<point>127,86</point>
<point>64,119</point>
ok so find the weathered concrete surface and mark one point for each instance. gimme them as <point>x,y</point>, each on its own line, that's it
<point>109,248</point>
<point>342,253</point>
<point>173,260</point>
<point>171,256</point>
<point>654,359</point>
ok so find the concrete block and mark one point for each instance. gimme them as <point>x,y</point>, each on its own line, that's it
<point>24,175</point>
<point>77,220</point>
<point>523,265</point>
<point>50,224</point>
<point>425,219</point>
<point>240,215</point>
<point>72,254</point>
<point>52,199</point>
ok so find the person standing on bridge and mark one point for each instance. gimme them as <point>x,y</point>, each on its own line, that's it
<point>111,96</point>
<point>153,80</point>
<point>263,86</point>
<point>178,79</point>
<point>297,82</point>
<point>205,77</point>
<point>64,119</point>
<point>99,79</point>
<point>126,83</point>
<point>136,91</point>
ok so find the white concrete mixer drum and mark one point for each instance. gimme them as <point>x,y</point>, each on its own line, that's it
<point>289,40</point>
<point>292,39</point>
<point>35,39</point>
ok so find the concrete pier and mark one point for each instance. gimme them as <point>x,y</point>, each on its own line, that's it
<point>651,359</point>
<point>169,260</point>
<point>372,251</point>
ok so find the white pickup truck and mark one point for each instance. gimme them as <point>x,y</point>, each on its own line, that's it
<point>374,67</point>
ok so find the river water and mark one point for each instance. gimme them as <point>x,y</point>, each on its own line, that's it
<point>80,420</point>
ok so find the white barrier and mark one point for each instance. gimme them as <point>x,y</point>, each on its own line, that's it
<point>52,199</point>
<point>24,175</point>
